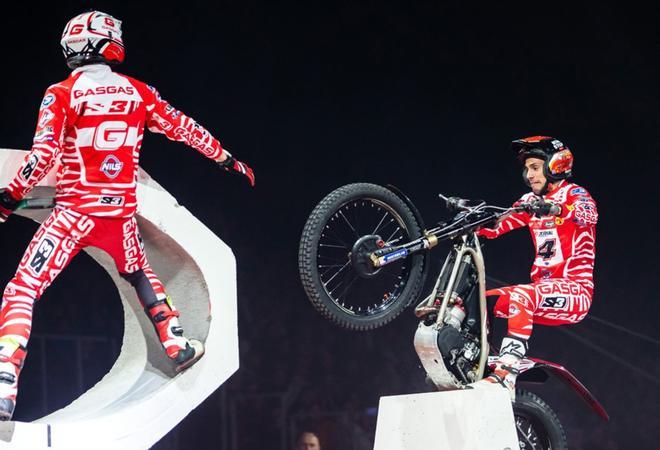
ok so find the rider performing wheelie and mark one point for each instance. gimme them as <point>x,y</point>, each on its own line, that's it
<point>563,229</point>
<point>92,124</point>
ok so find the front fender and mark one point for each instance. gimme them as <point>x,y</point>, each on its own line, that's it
<point>409,203</point>
<point>539,370</point>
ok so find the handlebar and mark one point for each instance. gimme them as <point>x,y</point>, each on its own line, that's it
<point>460,204</point>
<point>454,203</point>
<point>533,207</point>
<point>469,219</point>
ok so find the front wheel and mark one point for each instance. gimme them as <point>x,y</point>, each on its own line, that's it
<point>537,425</point>
<point>335,270</point>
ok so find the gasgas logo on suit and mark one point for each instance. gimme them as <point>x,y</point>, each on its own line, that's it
<point>110,136</point>
<point>105,152</point>
<point>101,90</point>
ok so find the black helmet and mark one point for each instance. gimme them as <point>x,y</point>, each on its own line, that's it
<point>558,158</point>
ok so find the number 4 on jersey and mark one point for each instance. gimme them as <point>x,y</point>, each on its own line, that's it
<point>547,249</point>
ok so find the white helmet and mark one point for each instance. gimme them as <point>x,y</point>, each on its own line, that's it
<point>92,37</point>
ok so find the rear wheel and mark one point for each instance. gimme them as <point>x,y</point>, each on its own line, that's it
<point>537,425</point>
<point>338,277</point>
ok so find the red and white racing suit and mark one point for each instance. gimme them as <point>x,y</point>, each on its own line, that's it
<point>93,123</point>
<point>562,273</point>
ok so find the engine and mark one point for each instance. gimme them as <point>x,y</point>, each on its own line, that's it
<point>459,348</point>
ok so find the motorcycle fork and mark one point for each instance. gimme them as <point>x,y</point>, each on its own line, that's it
<point>469,248</point>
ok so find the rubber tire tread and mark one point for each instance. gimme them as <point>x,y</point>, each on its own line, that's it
<point>536,407</point>
<point>308,252</point>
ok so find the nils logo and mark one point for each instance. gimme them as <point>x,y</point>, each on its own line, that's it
<point>111,166</point>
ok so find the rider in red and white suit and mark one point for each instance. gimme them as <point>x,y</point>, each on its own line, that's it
<point>92,123</point>
<point>564,232</point>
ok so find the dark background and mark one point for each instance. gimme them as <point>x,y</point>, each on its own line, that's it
<point>426,96</point>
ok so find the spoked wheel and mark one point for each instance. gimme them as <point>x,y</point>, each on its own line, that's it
<point>537,425</point>
<point>336,272</point>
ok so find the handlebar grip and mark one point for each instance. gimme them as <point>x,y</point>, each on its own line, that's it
<point>555,210</point>
<point>454,203</point>
<point>537,207</point>
<point>522,207</point>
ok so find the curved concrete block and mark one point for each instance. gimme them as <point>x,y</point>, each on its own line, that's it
<point>142,398</point>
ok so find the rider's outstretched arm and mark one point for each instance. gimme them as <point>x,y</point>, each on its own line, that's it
<point>165,119</point>
<point>46,145</point>
<point>506,224</point>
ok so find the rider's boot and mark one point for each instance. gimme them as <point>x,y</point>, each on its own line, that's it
<point>12,357</point>
<point>507,365</point>
<point>183,351</point>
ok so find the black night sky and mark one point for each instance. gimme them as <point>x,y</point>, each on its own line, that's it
<point>422,95</point>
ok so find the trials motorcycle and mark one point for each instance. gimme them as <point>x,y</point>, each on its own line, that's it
<point>364,257</point>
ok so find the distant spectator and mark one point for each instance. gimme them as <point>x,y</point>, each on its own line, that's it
<point>308,441</point>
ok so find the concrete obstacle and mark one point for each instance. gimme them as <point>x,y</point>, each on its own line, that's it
<point>471,419</point>
<point>142,398</point>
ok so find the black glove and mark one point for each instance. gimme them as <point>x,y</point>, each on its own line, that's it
<point>7,205</point>
<point>541,208</point>
<point>231,164</point>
